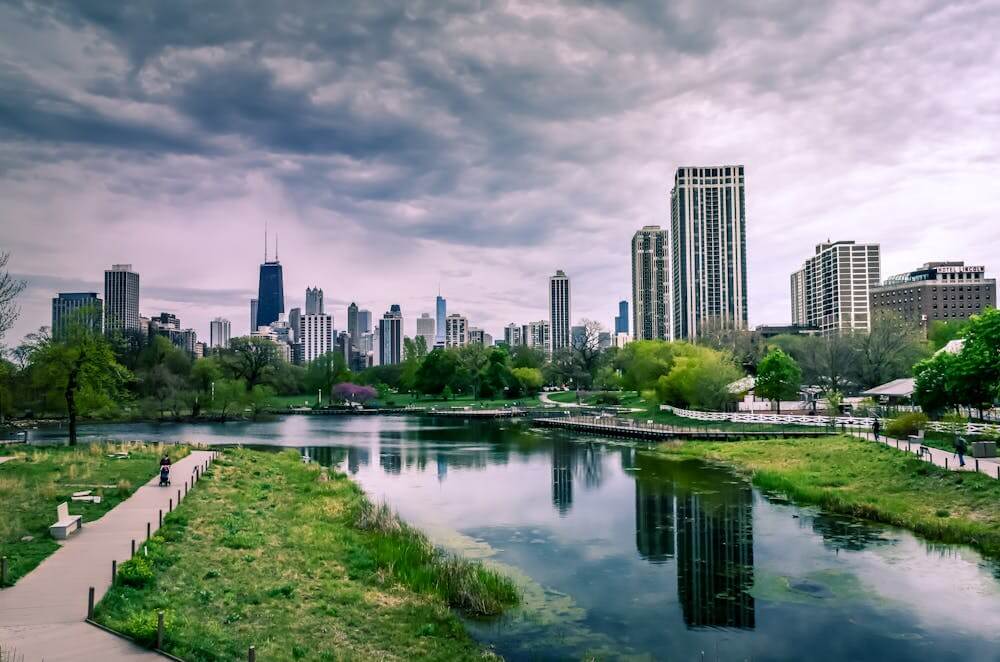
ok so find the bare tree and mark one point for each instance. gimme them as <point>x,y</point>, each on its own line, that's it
<point>586,346</point>
<point>10,287</point>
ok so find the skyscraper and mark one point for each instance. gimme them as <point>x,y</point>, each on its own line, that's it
<point>426,329</point>
<point>80,307</point>
<point>512,335</point>
<point>219,332</point>
<point>270,290</point>
<point>537,335</point>
<point>621,321</point>
<point>650,282</point>
<point>364,321</point>
<point>253,315</point>
<point>314,301</point>
<point>832,290</point>
<point>352,324</point>
<point>708,248</point>
<point>391,336</point>
<point>442,313</point>
<point>317,336</point>
<point>121,298</point>
<point>456,330</point>
<point>295,322</point>
<point>559,306</point>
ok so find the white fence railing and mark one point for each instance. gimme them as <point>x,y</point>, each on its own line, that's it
<point>815,421</point>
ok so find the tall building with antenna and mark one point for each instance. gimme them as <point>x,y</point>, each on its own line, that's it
<point>271,288</point>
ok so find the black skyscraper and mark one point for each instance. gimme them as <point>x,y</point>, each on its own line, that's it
<point>271,291</point>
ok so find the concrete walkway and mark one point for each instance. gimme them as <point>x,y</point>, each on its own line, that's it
<point>946,459</point>
<point>42,616</point>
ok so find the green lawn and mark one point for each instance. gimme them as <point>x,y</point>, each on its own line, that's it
<point>285,556</point>
<point>407,399</point>
<point>861,478</point>
<point>40,478</point>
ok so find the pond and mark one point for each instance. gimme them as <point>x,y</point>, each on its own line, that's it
<point>625,554</point>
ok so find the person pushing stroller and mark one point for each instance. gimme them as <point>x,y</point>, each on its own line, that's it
<point>164,470</point>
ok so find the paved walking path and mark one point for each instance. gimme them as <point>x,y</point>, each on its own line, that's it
<point>42,616</point>
<point>947,459</point>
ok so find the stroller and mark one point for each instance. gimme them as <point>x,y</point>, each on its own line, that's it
<point>164,476</point>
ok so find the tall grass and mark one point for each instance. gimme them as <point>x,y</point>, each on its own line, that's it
<point>409,556</point>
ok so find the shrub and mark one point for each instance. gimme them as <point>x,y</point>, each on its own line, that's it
<point>608,399</point>
<point>906,424</point>
<point>141,626</point>
<point>137,572</point>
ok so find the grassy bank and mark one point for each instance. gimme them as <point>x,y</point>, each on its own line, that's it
<point>271,552</point>
<point>860,478</point>
<point>37,480</point>
<point>412,399</point>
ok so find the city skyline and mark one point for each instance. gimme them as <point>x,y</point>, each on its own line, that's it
<point>486,177</point>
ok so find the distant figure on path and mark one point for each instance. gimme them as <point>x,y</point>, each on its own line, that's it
<point>960,448</point>
<point>876,428</point>
<point>165,460</point>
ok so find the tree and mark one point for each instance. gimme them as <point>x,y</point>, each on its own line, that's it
<point>10,287</point>
<point>204,373</point>
<point>747,347</point>
<point>586,348</point>
<point>700,378</point>
<point>523,356</point>
<point>978,363</point>
<point>325,371</point>
<point>258,399</point>
<point>81,366</point>
<point>889,350</point>
<point>471,361</point>
<point>529,379</point>
<point>828,361</point>
<point>643,362</point>
<point>250,359</point>
<point>436,372</point>
<point>354,392</point>
<point>936,385</point>
<point>778,377</point>
<point>229,395</point>
<point>941,332</point>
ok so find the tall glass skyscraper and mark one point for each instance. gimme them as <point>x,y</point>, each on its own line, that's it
<point>270,293</point>
<point>708,247</point>
<point>621,321</point>
<point>559,307</point>
<point>81,307</point>
<point>442,314</point>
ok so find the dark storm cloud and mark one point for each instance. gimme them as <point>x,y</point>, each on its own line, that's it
<point>500,140</point>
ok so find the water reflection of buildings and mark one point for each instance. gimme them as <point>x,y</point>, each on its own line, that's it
<point>356,458</point>
<point>708,529</point>
<point>562,477</point>
<point>390,458</point>
<point>715,559</point>
<point>654,520</point>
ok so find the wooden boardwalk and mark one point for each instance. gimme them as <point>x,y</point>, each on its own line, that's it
<point>43,616</point>
<point>618,427</point>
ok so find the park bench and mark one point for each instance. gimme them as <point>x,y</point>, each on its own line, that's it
<point>66,524</point>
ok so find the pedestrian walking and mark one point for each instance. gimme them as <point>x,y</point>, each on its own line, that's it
<point>876,428</point>
<point>961,446</point>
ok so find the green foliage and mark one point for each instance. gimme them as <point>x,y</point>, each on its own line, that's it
<point>136,572</point>
<point>643,362</point>
<point>530,379</point>
<point>250,359</point>
<point>941,332</point>
<point>971,377</point>
<point>778,377</point>
<point>906,424</point>
<point>700,378</point>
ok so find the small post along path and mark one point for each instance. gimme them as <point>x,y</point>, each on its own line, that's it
<point>42,617</point>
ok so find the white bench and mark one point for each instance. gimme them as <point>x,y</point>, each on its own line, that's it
<point>66,524</point>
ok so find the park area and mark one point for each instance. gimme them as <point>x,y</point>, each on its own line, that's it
<point>35,480</point>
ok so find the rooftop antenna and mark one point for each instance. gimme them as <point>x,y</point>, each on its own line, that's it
<point>275,246</point>
<point>265,241</point>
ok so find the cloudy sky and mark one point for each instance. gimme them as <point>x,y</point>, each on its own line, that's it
<point>480,146</point>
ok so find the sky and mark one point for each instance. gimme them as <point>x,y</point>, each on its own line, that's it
<point>477,147</point>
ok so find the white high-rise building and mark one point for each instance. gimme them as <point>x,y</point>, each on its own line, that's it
<point>314,301</point>
<point>219,332</point>
<point>650,284</point>
<point>559,311</point>
<point>536,335</point>
<point>317,336</point>
<point>708,250</point>
<point>121,298</point>
<point>512,335</point>
<point>253,315</point>
<point>426,330</point>
<point>479,337</point>
<point>832,291</point>
<point>456,330</point>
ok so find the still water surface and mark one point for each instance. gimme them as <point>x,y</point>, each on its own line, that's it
<point>623,554</point>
